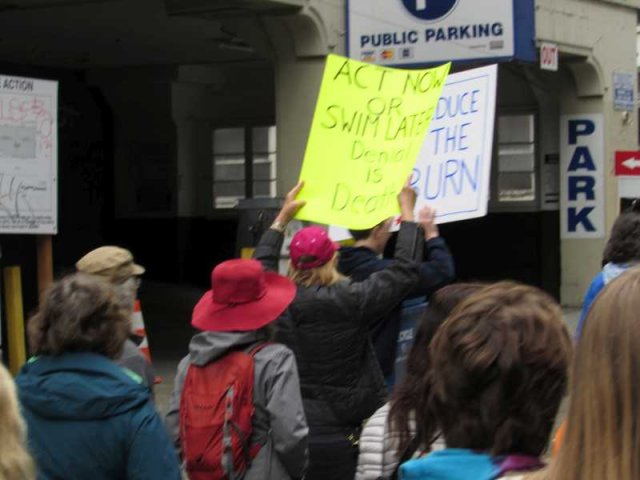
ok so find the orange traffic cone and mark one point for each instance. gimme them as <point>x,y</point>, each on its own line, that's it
<point>137,325</point>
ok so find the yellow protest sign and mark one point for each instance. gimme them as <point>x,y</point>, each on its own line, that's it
<point>368,128</point>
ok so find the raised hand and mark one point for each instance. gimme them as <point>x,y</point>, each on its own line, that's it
<point>290,206</point>
<point>407,201</point>
<point>427,218</point>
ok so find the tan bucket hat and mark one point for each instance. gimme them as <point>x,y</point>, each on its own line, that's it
<point>114,263</point>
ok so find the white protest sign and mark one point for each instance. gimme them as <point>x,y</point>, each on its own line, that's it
<point>28,155</point>
<point>453,169</point>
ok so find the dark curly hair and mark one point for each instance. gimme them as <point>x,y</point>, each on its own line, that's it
<point>499,370</point>
<point>79,313</point>
<point>364,234</point>
<point>408,394</point>
<point>624,243</point>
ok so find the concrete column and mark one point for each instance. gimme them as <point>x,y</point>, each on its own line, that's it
<point>297,84</point>
<point>595,39</point>
<point>580,258</point>
<point>194,157</point>
<point>299,45</point>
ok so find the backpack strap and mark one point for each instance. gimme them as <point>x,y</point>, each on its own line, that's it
<point>258,347</point>
<point>251,451</point>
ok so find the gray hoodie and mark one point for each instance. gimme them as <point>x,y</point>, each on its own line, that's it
<point>132,358</point>
<point>279,423</point>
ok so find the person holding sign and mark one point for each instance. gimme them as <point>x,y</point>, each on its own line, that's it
<point>326,326</point>
<point>364,259</point>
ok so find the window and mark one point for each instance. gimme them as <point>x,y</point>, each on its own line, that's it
<point>244,164</point>
<point>516,176</point>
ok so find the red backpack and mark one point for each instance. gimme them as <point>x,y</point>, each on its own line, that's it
<point>216,413</point>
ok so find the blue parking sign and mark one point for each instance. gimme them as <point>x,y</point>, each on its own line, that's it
<point>429,9</point>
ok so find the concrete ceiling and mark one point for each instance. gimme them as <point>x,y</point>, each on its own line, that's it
<point>112,33</point>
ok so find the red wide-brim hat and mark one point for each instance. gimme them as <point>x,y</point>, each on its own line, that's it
<point>208,315</point>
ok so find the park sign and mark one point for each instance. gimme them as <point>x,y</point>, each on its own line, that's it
<point>419,32</point>
<point>582,176</point>
<point>368,127</point>
<point>452,173</point>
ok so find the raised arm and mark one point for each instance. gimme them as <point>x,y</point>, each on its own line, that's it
<point>437,269</point>
<point>268,249</point>
<point>385,289</point>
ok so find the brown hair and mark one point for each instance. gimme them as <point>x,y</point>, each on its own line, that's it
<point>624,243</point>
<point>15,461</point>
<point>408,395</point>
<point>321,276</point>
<point>79,313</point>
<point>499,370</point>
<point>602,439</point>
<point>366,233</point>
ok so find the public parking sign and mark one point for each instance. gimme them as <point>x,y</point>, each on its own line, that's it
<point>628,164</point>
<point>421,32</point>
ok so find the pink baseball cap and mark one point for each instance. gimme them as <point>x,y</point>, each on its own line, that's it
<point>311,242</point>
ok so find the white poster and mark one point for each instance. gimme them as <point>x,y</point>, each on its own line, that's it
<point>28,155</point>
<point>397,32</point>
<point>582,176</point>
<point>452,173</point>
<point>624,91</point>
<point>453,170</point>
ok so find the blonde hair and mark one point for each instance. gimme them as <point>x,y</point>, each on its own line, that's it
<point>15,461</point>
<point>321,276</point>
<point>602,440</point>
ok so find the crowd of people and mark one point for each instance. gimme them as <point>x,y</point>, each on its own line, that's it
<point>287,376</point>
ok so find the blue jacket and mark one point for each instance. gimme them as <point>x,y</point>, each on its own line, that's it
<point>608,273</point>
<point>436,271</point>
<point>451,464</point>
<point>88,419</point>
<point>463,464</point>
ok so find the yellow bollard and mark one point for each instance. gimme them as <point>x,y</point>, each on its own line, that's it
<point>15,318</point>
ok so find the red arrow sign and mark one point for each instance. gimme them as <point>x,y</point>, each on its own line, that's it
<point>628,163</point>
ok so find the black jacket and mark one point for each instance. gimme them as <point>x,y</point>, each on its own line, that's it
<point>327,329</point>
<point>436,271</point>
